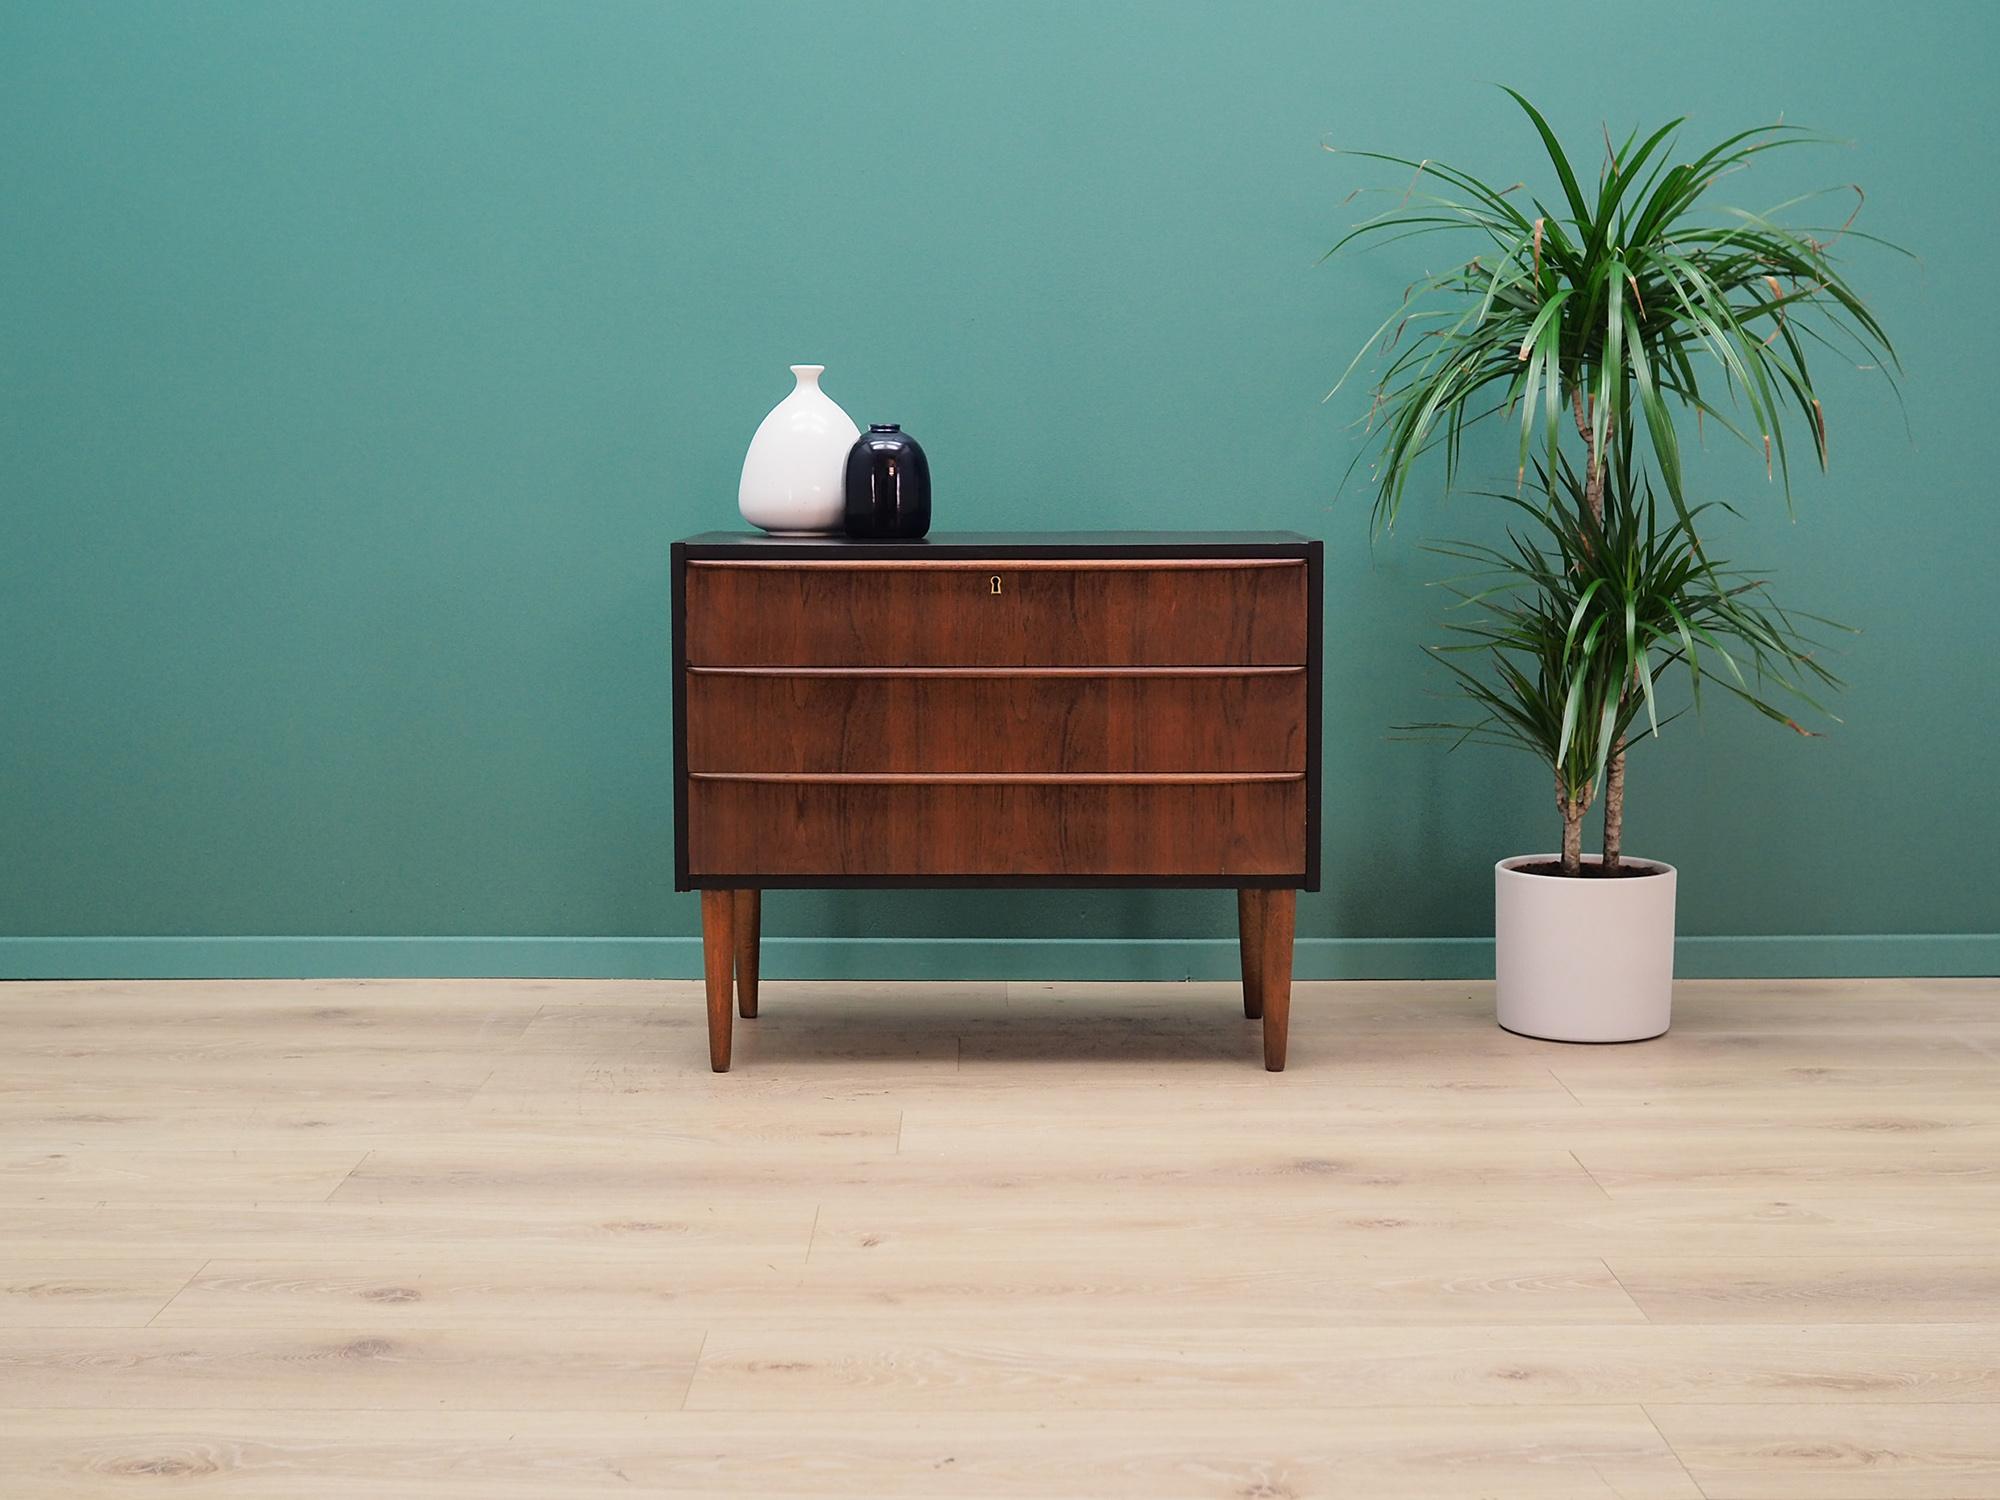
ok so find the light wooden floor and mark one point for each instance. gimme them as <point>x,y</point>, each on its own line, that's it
<point>507,1239</point>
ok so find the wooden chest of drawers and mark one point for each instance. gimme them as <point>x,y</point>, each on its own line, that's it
<point>1077,709</point>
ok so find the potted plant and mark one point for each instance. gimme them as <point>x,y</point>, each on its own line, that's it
<point>1599,327</point>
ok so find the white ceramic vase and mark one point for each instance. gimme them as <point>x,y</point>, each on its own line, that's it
<point>1583,960</point>
<point>797,463</point>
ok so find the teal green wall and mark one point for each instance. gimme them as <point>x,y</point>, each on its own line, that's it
<point>359,361</point>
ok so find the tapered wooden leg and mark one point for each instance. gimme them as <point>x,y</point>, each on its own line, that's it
<point>718,960</point>
<point>1249,922</point>
<point>1274,968</point>
<point>749,906</point>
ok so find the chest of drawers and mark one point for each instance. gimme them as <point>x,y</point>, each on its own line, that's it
<point>1063,709</point>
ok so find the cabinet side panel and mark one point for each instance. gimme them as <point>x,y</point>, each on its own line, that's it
<point>1315,704</point>
<point>677,631</point>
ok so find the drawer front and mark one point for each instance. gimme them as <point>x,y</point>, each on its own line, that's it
<point>778,827</point>
<point>1208,612</point>
<point>958,720</point>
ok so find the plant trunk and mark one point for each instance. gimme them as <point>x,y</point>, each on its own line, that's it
<point>1614,771</point>
<point>1614,805</point>
<point>1593,474</point>
<point>1572,809</point>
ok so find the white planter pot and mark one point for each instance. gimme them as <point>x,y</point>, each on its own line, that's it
<point>1583,960</point>
<point>795,474</point>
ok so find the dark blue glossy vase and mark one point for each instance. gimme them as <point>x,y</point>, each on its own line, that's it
<point>888,486</point>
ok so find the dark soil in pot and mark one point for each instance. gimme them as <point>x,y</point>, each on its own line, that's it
<point>1589,872</point>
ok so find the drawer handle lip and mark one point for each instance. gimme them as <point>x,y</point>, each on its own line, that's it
<point>1245,671</point>
<point>1002,778</point>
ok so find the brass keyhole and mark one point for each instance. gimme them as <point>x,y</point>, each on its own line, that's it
<point>994,583</point>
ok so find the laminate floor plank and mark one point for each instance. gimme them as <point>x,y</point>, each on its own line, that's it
<point>103,1173</point>
<point>1587,1453</point>
<point>349,1369</point>
<point>617,1023</point>
<point>845,1170</point>
<point>990,1365</point>
<point>1854,1451</point>
<point>767,1282</point>
<point>1937,1139</point>
<point>1883,1288</point>
<point>1780,1087</point>
<point>651,1223</point>
<point>480,1132</point>
<point>1245,1279</point>
<point>286,1076</point>
<point>1779,1162</point>
<point>94,1291</point>
<point>647,1282</point>
<point>410,1005</point>
<point>914,1229</point>
<point>1427,1006</point>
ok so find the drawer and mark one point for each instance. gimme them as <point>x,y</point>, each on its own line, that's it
<point>772,826</point>
<point>1184,612</point>
<point>996,719</point>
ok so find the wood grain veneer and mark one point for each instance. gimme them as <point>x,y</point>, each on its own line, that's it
<point>954,720</point>
<point>948,614</point>
<point>744,828</point>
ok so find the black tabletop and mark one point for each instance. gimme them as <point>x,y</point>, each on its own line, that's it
<point>957,544</point>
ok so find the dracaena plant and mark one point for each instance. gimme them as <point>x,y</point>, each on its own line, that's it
<point>1619,311</point>
<point>1564,637</point>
